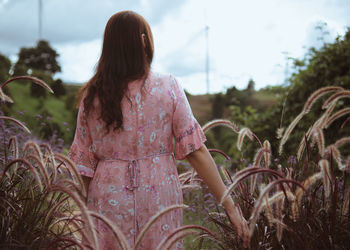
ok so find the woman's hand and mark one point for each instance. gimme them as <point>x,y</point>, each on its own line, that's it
<point>240,225</point>
<point>205,166</point>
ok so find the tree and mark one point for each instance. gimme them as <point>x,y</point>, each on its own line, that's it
<point>5,65</point>
<point>58,88</point>
<point>42,57</point>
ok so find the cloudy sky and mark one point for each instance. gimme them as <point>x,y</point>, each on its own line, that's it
<point>247,39</point>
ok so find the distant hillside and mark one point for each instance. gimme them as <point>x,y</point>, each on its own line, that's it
<point>202,104</point>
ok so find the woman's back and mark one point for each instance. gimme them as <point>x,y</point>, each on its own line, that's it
<point>133,170</point>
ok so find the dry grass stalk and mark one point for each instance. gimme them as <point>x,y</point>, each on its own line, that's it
<point>114,228</point>
<point>30,78</point>
<point>154,218</point>
<point>17,122</point>
<point>345,208</point>
<point>242,133</point>
<point>220,122</point>
<point>335,97</point>
<point>317,94</point>
<point>288,131</point>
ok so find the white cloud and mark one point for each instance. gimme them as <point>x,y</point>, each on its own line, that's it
<point>246,38</point>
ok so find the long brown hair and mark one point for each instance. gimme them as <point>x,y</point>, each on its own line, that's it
<point>127,54</point>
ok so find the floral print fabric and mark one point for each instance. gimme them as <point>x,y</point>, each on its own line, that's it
<point>133,170</point>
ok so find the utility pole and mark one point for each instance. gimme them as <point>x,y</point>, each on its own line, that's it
<point>40,19</point>
<point>207,56</point>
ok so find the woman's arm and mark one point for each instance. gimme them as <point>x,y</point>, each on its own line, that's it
<point>205,166</point>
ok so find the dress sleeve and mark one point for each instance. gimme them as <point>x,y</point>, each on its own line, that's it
<point>188,134</point>
<point>82,151</point>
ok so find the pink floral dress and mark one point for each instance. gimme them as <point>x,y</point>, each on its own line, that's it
<point>133,171</point>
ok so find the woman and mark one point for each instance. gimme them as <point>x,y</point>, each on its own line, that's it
<point>123,145</point>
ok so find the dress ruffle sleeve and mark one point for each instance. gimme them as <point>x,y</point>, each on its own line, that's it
<point>82,151</point>
<point>188,134</point>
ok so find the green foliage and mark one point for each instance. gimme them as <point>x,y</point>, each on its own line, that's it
<point>58,88</point>
<point>42,57</point>
<point>5,65</point>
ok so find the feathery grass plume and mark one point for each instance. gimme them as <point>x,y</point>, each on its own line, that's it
<point>220,122</point>
<point>288,131</point>
<point>332,149</point>
<point>324,165</point>
<point>258,204</point>
<point>12,144</point>
<point>322,121</point>
<point>335,97</point>
<point>242,133</point>
<point>279,132</point>
<point>242,174</point>
<point>336,116</point>
<point>302,144</point>
<point>167,241</point>
<point>276,197</point>
<point>30,78</point>
<point>89,226</point>
<point>176,238</point>
<point>226,175</point>
<point>307,184</point>
<point>267,153</point>
<point>4,97</point>
<point>345,122</point>
<point>29,166</point>
<point>42,168</point>
<point>218,214</point>
<point>213,150</point>
<point>317,94</point>
<point>345,208</point>
<point>267,207</point>
<point>279,217</point>
<point>319,138</point>
<point>36,149</point>
<point>72,169</point>
<point>115,229</point>
<point>154,218</point>
<point>300,192</point>
<point>17,122</point>
<point>342,141</point>
<point>193,186</point>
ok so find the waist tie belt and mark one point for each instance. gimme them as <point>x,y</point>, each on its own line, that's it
<point>133,168</point>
